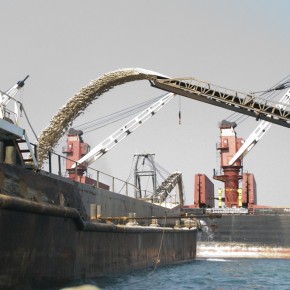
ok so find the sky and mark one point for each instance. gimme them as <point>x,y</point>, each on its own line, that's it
<point>241,45</point>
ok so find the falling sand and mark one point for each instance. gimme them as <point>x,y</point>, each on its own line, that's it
<point>79,102</point>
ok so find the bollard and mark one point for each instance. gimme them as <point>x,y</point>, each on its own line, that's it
<point>177,224</point>
<point>154,222</point>
<point>93,211</point>
<point>99,211</point>
<point>132,220</point>
<point>187,223</point>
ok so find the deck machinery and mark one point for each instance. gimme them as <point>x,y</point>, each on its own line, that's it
<point>231,148</point>
<point>239,188</point>
<point>232,174</point>
<point>75,149</point>
<point>80,156</point>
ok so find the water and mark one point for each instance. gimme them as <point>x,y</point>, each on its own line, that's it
<point>205,274</point>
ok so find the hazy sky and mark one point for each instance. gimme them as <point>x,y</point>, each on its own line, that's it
<point>242,45</point>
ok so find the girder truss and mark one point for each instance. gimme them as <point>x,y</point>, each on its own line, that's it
<point>247,104</point>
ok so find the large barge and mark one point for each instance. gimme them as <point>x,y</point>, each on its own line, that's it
<point>57,229</point>
<point>245,228</point>
<point>262,233</point>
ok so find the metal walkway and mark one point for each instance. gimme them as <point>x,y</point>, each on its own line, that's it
<point>247,104</point>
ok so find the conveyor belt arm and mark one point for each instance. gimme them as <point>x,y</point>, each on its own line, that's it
<point>247,104</point>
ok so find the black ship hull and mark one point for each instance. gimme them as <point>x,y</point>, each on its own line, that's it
<point>47,237</point>
<point>262,234</point>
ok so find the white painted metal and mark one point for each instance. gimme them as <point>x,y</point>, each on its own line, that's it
<point>259,132</point>
<point>123,132</point>
<point>8,130</point>
<point>7,97</point>
<point>150,72</point>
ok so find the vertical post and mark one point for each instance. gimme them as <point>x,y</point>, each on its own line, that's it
<point>1,151</point>
<point>98,178</point>
<point>113,183</point>
<point>154,182</point>
<point>49,161</point>
<point>59,165</point>
<point>35,151</point>
<point>76,171</point>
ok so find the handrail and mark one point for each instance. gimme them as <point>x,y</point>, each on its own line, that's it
<point>114,180</point>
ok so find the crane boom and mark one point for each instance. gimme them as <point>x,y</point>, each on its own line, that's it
<point>6,97</point>
<point>124,131</point>
<point>259,132</point>
<point>9,94</point>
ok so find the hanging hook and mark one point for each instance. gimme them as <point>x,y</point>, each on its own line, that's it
<point>179,113</point>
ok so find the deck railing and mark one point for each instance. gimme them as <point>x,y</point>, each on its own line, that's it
<point>57,162</point>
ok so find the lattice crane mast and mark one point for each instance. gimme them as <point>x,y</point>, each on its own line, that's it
<point>247,104</point>
<point>159,193</point>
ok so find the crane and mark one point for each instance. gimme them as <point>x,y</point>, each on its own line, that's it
<point>160,193</point>
<point>7,97</point>
<point>111,141</point>
<point>10,131</point>
<point>259,132</point>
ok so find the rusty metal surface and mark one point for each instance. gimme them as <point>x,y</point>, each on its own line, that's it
<point>249,189</point>
<point>269,230</point>
<point>56,190</point>
<point>46,238</point>
<point>240,250</point>
<point>203,191</point>
<point>42,250</point>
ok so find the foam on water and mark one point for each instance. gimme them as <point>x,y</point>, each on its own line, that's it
<point>217,260</point>
<point>205,274</point>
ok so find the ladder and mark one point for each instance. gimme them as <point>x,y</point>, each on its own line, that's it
<point>27,152</point>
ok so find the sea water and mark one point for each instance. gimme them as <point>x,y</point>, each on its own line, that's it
<point>204,274</point>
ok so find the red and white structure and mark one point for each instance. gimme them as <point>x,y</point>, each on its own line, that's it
<point>239,188</point>
<point>75,149</point>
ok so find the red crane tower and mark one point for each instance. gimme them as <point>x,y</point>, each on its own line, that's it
<point>229,174</point>
<point>75,149</point>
